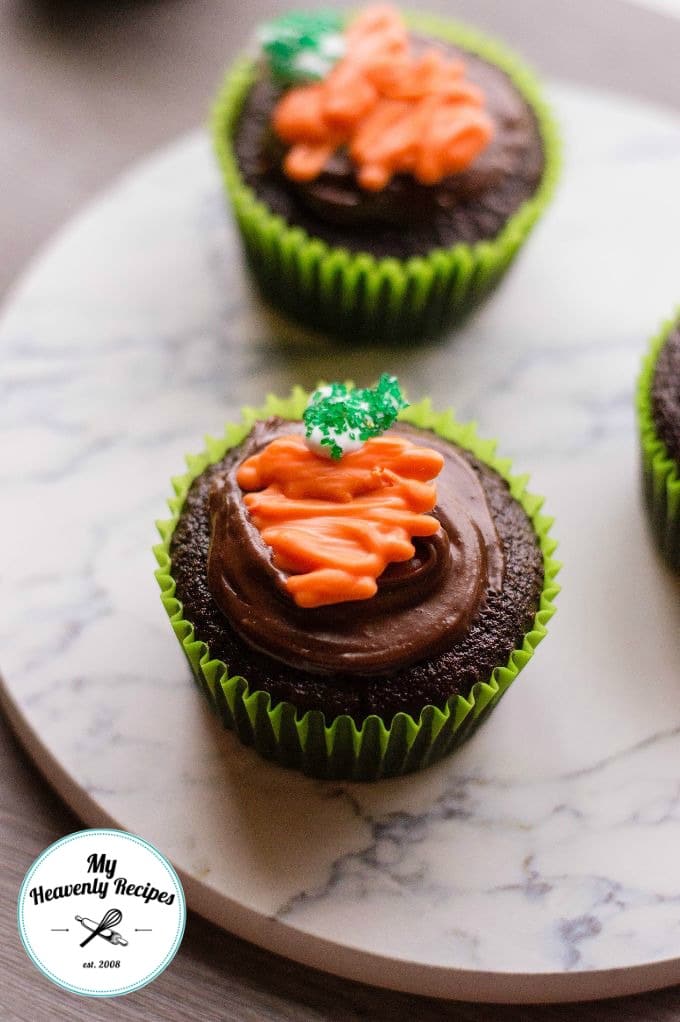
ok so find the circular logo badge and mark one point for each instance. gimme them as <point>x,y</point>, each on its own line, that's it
<point>101,913</point>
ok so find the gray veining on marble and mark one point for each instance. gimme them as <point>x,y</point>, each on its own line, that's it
<point>550,844</point>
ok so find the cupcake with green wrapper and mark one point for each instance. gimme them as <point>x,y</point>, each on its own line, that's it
<point>355,581</point>
<point>383,175</point>
<point>658,406</point>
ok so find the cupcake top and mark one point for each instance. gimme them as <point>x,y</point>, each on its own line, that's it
<point>666,393</point>
<point>362,562</point>
<point>357,123</point>
<point>390,105</point>
<point>345,564</point>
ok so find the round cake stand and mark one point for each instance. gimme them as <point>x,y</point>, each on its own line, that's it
<point>541,862</point>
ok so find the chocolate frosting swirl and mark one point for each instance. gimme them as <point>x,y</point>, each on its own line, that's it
<point>421,608</point>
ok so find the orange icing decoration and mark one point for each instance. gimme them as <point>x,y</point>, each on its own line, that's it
<point>394,112</point>
<point>334,527</point>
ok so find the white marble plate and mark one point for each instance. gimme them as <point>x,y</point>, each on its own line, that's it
<point>541,862</point>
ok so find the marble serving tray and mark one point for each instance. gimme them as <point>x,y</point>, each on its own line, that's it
<point>539,863</point>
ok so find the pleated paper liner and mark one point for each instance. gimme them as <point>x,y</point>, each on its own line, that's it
<point>660,472</point>
<point>354,294</point>
<point>340,748</point>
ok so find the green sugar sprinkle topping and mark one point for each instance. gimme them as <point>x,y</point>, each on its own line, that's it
<point>302,46</point>
<point>339,419</point>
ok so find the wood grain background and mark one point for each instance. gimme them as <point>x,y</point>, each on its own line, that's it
<point>86,88</point>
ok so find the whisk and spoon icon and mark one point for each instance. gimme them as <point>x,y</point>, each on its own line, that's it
<point>104,928</point>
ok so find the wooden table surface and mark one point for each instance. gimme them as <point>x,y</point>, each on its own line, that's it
<point>86,88</point>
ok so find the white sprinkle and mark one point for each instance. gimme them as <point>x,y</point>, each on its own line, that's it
<point>307,62</point>
<point>332,46</point>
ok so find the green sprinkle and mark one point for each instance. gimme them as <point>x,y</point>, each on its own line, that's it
<point>303,46</point>
<point>338,416</point>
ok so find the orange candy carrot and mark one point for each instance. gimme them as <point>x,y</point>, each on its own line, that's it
<point>396,113</point>
<point>334,526</point>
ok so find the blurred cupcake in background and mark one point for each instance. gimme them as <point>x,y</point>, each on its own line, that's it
<point>658,407</point>
<point>383,177</point>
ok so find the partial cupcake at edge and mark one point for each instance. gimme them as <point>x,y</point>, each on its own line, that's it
<point>658,405</point>
<point>383,172</point>
<point>355,581</point>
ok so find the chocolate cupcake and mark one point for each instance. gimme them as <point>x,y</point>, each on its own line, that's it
<point>382,177</point>
<point>658,403</point>
<point>354,617</point>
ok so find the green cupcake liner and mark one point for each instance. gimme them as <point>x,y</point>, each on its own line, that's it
<point>340,748</point>
<point>355,295</point>
<point>660,472</point>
